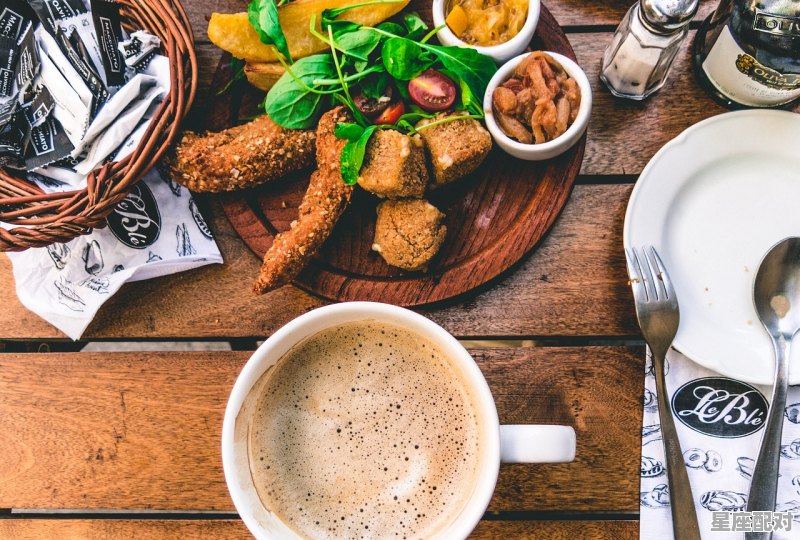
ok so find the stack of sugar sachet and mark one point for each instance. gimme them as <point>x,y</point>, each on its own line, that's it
<point>75,90</point>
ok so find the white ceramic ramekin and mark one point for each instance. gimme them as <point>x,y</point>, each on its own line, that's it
<point>508,444</point>
<point>501,52</point>
<point>559,145</point>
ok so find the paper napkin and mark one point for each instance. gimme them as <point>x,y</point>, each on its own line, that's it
<point>156,230</point>
<point>720,422</point>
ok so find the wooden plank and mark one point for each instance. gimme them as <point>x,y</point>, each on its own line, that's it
<point>557,530</point>
<point>35,529</point>
<point>140,431</point>
<point>571,13</point>
<point>574,283</point>
<point>568,13</point>
<point>124,529</point>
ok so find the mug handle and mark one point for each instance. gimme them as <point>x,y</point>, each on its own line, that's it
<point>522,443</point>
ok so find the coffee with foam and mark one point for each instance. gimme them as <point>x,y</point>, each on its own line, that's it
<point>365,430</point>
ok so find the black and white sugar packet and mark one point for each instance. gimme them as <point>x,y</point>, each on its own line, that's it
<point>67,90</point>
<point>108,26</point>
<point>50,12</point>
<point>15,16</point>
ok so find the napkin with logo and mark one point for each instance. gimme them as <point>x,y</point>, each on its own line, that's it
<point>720,422</point>
<point>156,230</point>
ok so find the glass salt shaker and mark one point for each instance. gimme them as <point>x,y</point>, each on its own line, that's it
<point>640,55</point>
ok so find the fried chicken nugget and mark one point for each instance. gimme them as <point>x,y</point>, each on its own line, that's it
<point>324,202</point>
<point>240,157</point>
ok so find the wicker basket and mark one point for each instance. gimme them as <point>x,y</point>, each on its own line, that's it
<point>45,219</point>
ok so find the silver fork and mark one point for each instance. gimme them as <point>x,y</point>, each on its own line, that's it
<point>658,315</point>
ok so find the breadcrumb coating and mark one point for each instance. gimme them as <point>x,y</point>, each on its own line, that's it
<point>455,148</point>
<point>409,233</point>
<point>394,166</point>
<point>240,157</point>
<point>324,202</point>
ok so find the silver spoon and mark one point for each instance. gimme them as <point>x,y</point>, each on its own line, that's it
<point>776,294</point>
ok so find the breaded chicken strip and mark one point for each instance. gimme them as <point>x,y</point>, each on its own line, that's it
<point>324,202</point>
<point>240,157</point>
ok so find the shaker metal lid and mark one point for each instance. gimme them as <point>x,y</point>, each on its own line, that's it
<point>668,15</point>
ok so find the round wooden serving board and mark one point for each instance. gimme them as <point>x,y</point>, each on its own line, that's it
<point>495,216</point>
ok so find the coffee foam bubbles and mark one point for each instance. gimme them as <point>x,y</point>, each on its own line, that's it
<point>365,430</point>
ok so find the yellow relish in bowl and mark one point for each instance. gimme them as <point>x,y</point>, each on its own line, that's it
<point>486,22</point>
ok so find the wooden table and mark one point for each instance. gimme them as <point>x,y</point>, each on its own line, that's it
<point>128,444</point>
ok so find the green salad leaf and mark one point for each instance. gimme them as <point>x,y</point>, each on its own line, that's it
<point>414,25</point>
<point>263,16</point>
<point>353,156</point>
<point>365,60</point>
<point>392,28</point>
<point>466,99</point>
<point>404,59</point>
<point>294,102</point>
<point>339,27</point>
<point>374,85</point>
<point>358,44</point>
<point>348,131</point>
<point>467,64</point>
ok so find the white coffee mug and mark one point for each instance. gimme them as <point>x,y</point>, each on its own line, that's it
<point>506,444</point>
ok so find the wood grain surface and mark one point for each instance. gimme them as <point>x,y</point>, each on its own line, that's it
<point>494,216</point>
<point>92,432</point>
<point>575,15</point>
<point>201,529</point>
<point>573,284</point>
<point>140,431</point>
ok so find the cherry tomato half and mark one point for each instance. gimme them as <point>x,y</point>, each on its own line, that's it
<point>392,113</point>
<point>432,91</point>
<point>373,107</point>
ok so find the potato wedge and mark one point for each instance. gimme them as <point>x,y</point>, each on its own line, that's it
<point>233,33</point>
<point>262,75</point>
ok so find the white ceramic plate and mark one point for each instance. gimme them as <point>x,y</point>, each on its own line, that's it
<point>713,201</point>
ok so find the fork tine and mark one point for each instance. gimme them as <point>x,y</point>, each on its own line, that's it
<point>647,275</point>
<point>635,276</point>
<point>658,273</point>
<point>668,286</point>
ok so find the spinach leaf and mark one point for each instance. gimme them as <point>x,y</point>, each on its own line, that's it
<point>468,65</point>
<point>263,16</point>
<point>392,28</point>
<point>405,59</point>
<point>294,102</point>
<point>358,44</point>
<point>402,90</point>
<point>348,131</point>
<point>339,27</point>
<point>467,100</point>
<point>415,26</point>
<point>374,85</point>
<point>353,156</point>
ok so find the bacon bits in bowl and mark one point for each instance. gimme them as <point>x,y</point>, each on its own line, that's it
<point>538,105</point>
